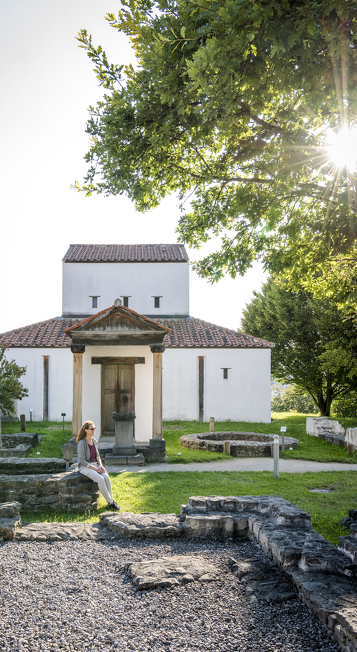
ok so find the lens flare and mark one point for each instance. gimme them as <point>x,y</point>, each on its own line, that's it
<point>342,148</point>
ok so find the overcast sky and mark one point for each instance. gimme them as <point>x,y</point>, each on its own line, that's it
<point>46,84</point>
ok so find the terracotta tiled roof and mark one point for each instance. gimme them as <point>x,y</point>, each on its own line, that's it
<point>44,334</point>
<point>185,333</point>
<point>151,253</point>
<point>196,333</point>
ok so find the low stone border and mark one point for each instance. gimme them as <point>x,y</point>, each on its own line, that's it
<point>241,444</point>
<point>324,576</point>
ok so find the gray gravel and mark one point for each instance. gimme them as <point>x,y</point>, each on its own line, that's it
<point>76,596</point>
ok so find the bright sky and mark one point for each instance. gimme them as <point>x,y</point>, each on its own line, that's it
<point>46,84</point>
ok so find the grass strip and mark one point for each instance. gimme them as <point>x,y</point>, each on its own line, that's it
<point>310,448</point>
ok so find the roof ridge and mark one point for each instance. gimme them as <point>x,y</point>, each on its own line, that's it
<point>116,253</point>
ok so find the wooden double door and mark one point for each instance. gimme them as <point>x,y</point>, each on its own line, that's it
<point>118,393</point>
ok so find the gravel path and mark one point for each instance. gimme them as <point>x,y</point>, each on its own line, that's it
<point>76,596</point>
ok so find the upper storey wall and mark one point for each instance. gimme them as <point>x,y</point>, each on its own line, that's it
<point>140,281</point>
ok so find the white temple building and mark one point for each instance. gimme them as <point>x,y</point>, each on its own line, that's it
<point>126,342</point>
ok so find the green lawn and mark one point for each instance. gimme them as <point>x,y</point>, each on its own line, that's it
<point>53,436</point>
<point>310,448</point>
<point>165,492</point>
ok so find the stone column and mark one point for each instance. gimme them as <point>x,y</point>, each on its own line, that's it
<point>157,351</point>
<point>77,350</point>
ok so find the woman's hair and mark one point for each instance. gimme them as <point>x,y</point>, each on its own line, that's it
<point>82,432</point>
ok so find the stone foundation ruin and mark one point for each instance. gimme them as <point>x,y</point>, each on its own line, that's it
<point>70,491</point>
<point>322,575</point>
<point>333,432</point>
<point>236,444</point>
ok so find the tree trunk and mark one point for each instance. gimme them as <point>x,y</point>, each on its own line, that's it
<point>324,403</point>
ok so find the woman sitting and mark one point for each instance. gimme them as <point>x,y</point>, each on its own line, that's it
<point>90,464</point>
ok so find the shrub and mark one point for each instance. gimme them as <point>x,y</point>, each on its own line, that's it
<point>288,398</point>
<point>346,406</point>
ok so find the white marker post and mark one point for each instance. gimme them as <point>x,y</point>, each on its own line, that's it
<point>282,429</point>
<point>276,456</point>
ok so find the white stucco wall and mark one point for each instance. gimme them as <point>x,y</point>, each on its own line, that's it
<point>244,396</point>
<point>91,403</point>
<point>139,281</point>
<point>60,381</point>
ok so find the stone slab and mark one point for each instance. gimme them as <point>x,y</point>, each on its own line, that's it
<point>351,436</point>
<point>8,526</point>
<point>11,441</point>
<point>316,425</point>
<point>348,544</point>
<point>47,532</point>
<point>128,524</point>
<point>19,451</point>
<point>19,466</point>
<point>8,510</point>
<point>171,571</point>
<point>320,555</point>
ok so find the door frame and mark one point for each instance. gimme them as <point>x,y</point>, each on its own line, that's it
<point>110,360</point>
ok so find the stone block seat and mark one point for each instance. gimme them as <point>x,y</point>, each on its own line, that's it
<point>18,444</point>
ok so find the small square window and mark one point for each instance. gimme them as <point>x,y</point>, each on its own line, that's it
<point>126,302</point>
<point>94,302</point>
<point>157,302</point>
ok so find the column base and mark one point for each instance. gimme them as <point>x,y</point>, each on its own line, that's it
<point>156,451</point>
<point>124,450</point>
<point>124,460</point>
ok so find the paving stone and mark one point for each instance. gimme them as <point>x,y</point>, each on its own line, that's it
<point>170,571</point>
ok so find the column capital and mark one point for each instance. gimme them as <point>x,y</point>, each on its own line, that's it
<point>157,348</point>
<point>78,348</point>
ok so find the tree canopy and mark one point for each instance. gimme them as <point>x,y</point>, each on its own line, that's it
<point>231,107</point>
<point>315,348</point>
<point>10,386</point>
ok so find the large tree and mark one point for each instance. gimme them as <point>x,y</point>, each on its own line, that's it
<point>231,106</point>
<point>315,347</point>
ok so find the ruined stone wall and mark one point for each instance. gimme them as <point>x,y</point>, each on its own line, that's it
<point>70,492</point>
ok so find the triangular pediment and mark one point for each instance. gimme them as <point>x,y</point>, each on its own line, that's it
<point>115,325</point>
<point>119,320</point>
